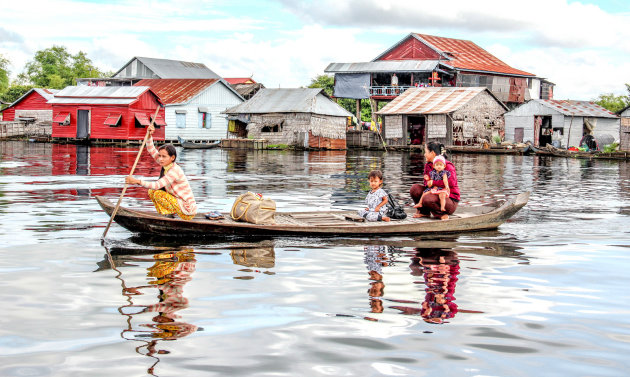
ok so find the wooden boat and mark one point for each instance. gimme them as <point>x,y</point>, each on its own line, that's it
<point>191,145</point>
<point>491,150</point>
<point>317,224</point>
<point>549,150</point>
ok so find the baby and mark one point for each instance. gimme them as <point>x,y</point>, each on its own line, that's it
<point>437,174</point>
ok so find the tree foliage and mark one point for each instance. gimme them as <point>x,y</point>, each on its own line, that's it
<point>14,92</point>
<point>56,68</point>
<point>4,73</point>
<point>612,102</point>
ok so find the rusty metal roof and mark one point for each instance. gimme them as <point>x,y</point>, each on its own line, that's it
<point>177,91</point>
<point>578,108</point>
<point>101,95</point>
<point>294,100</point>
<point>431,100</point>
<point>467,55</point>
<point>383,66</point>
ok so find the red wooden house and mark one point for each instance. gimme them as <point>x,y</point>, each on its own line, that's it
<point>106,113</point>
<point>32,106</point>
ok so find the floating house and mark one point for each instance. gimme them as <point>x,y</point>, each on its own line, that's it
<point>452,116</point>
<point>245,86</point>
<point>33,107</point>
<point>543,122</point>
<point>139,68</point>
<point>194,106</point>
<point>624,130</point>
<point>302,117</point>
<point>106,113</point>
<point>421,60</point>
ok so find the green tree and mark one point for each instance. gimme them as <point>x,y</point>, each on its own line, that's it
<point>56,68</point>
<point>613,102</point>
<point>14,92</point>
<point>4,73</point>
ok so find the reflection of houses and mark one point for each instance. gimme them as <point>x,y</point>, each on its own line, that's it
<point>427,60</point>
<point>106,113</point>
<point>544,121</point>
<point>300,117</point>
<point>624,130</point>
<point>194,106</point>
<point>139,68</point>
<point>452,116</point>
<point>33,106</point>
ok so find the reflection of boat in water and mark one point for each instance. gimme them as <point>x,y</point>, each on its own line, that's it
<point>191,145</point>
<point>314,224</point>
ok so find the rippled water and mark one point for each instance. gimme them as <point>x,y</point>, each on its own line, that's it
<point>546,294</point>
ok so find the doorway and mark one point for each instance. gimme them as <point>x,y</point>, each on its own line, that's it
<point>416,126</point>
<point>542,130</point>
<point>83,124</point>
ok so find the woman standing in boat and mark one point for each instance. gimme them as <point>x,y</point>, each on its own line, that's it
<point>431,203</point>
<point>171,193</point>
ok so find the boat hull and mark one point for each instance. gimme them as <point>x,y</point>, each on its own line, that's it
<point>317,224</point>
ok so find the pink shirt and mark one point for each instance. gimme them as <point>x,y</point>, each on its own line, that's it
<point>174,182</point>
<point>452,180</point>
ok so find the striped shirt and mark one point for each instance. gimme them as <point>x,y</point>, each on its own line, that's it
<point>174,182</point>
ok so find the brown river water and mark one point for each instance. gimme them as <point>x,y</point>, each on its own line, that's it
<point>546,294</point>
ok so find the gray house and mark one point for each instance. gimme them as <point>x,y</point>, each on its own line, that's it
<point>301,117</point>
<point>564,122</point>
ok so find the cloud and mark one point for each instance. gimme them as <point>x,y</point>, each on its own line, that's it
<point>7,36</point>
<point>552,23</point>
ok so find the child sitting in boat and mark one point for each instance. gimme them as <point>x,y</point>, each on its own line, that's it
<point>437,174</point>
<point>171,193</point>
<point>376,199</point>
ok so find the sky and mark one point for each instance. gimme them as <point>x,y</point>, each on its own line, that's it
<point>582,47</point>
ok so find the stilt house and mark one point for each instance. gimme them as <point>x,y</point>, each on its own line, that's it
<point>624,130</point>
<point>194,106</point>
<point>106,113</point>
<point>33,106</point>
<point>543,122</point>
<point>301,117</point>
<point>452,116</point>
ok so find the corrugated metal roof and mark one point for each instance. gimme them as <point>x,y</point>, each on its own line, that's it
<point>383,66</point>
<point>431,100</point>
<point>173,69</point>
<point>176,91</point>
<point>578,108</point>
<point>108,95</point>
<point>239,80</point>
<point>299,100</point>
<point>467,55</point>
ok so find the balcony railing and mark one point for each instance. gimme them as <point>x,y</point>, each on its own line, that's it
<point>388,91</point>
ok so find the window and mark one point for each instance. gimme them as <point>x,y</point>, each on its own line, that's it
<point>142,120</point>
<point>62,118</point>
<point>204,119</point>
<point>180,120</point>
<point>113,120</point>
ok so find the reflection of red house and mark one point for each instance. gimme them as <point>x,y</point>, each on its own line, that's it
<point>32,105</point>
<point>106,113</point>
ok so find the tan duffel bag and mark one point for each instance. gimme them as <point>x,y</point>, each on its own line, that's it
<point>253,209</point>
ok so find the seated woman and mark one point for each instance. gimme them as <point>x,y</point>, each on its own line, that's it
<point>431,203</point>
<point>171,194</point>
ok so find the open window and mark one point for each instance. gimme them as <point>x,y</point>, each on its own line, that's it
<point>142,120</point>
<point>159,121</point>
<point>113,120</point>
<point>62,118</point>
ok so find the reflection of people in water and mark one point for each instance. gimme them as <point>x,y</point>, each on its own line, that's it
<point>170,272</point>
<point>375,259</point>
<point>439,269</point>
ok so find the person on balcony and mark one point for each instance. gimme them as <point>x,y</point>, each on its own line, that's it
<point>394,80</point>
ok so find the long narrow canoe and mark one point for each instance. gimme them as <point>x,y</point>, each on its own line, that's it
<point>192,145</point>
<point>325,223</point>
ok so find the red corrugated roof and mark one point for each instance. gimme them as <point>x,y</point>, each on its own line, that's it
<point>175,91</point>
<point>240,80</point>
<point>432,100</point>
<point>467,55</point>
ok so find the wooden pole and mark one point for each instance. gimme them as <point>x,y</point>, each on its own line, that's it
<point>133,168</point>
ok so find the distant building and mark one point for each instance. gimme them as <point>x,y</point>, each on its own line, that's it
<point>106,113</point>
<point>245,86</point>
<point>302,117</point>
<point>139,68</point>
<point>421,60</point>
<point>32,106</point>
<point>194,106</point>
<point>452,116</point>
<point>542,122</point>
<point>624,130</point>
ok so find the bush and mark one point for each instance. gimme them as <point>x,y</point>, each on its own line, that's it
<point>611,147</point>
